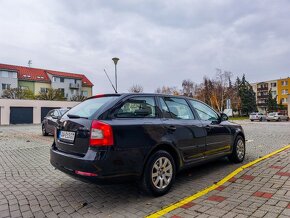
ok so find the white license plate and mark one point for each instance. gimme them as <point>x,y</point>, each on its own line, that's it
<point>67,136</point>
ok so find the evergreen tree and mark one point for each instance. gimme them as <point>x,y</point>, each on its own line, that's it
<point>271,103</point>
<point>247,95</point>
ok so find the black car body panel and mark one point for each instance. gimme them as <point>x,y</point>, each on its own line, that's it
<point>190,141</point>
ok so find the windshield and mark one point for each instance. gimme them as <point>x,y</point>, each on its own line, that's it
<point>90,106</point>
<point>253,113</point>
<point>271,114</point>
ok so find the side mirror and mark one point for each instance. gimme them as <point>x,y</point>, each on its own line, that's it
<point>224,117</point>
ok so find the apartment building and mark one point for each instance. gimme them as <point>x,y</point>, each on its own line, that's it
<point>8,79</point>
<point>39,80</point>
<point>279,90</point>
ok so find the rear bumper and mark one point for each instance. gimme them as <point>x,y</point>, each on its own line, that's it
<point>108,166</point>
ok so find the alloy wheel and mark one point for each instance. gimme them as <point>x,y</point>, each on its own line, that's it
<point>240,149</point>
<point>162,172</point>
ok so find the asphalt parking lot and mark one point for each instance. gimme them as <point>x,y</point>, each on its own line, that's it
<point>31,187</point>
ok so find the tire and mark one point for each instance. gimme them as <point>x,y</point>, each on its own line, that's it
<point>44,133</point>
<point>287,119</point>
<point>239,150</point>
<point>151,183</point>
<point>261,119</point>
<point>279,119</point>
<point>252,120</point>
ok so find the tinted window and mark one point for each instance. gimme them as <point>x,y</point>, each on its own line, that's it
<point>204,111</point>
<point>50,113</point>
<point>137,107</point>
<point>179,109</point>
<point>164,109</point>
<point>55,113</point>
<point>88,107</point>
<point>62,111</point>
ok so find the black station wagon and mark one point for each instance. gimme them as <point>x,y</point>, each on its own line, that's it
<point>146,137</point>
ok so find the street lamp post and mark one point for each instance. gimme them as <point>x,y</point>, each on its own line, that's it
<point>115,59</point>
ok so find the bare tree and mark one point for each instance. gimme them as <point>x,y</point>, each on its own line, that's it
<point>136,88</point>
<point>18,93</point>
<point>188,87</point>
<point>168,90</point>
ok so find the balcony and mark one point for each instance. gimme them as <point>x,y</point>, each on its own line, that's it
<point>262,89</point>
<point>262,104</point>
<point>262,96</point>
<point>74,85</point>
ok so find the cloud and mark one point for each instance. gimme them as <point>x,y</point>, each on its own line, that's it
<point>158,42</point>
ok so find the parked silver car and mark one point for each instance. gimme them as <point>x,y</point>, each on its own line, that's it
<point>257,116</point>
<point>276,116</point>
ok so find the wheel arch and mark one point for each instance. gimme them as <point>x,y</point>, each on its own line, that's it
<point>170,149</point>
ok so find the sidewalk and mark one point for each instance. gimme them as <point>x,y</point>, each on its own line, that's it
<point>262,190</point>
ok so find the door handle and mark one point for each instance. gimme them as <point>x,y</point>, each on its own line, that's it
<point>171,128</point>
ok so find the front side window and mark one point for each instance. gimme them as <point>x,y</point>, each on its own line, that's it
<point>61,80</point>
<point>137,107</point>
<point>204,111</point>
<point>179,109</point>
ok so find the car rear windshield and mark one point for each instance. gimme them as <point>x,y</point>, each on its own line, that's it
<point>253,113</point>
<point>88,107</point>
<point>271,114</point>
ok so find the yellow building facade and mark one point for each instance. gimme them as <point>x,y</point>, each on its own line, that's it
<point>283,89</point>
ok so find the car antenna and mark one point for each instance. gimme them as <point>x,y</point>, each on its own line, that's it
<point>110,81</point>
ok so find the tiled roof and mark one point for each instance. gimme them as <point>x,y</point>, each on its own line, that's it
<point>27,73</point>
<point>40,75</point>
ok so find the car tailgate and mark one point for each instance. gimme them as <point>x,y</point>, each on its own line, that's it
<point>73,136</point>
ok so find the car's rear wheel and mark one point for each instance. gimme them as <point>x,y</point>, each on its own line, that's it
<point>44,133</point>
<point>261,119</point>
<point>159,173</point>
<point>239,150</point>
<point>252,120</point>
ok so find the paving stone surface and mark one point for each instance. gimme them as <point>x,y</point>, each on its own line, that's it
<point>31,187</point>
<point>266,194</point>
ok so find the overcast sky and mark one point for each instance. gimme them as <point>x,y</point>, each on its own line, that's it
<point>158,42</point>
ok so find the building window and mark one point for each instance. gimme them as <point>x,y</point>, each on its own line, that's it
<point>43,90</point>
<point>5,86</point>
<point>284,83</point>
<point>284,91</point>
<point>14,75</point>
<point>54,79</point>
<point>61,80</point>
<point>273,84</point>
<point>284,100</point>
<point>62,92</point>
<point>85,93</point>
<point>274,93</point>
<point>4,74</point>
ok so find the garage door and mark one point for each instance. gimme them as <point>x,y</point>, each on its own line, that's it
<point>19,115</point>
<point>44,111</point>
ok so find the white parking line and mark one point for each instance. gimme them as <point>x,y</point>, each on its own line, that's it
<point>249,140</point>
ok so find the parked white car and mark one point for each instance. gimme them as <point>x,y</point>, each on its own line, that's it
<point>276,116</point>
<point>257,116</point>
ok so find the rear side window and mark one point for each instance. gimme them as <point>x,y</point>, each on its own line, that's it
<point>88,107</point>
<point>137,107</point>
<point>178,108</point>
<point>204,111</point>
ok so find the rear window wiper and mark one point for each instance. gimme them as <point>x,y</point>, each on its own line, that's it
<point>75,116</point>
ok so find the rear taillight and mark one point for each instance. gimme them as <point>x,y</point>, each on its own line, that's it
<point>101,134</point>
